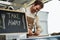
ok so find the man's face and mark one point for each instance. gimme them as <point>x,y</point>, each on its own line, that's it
<point>36,8</point>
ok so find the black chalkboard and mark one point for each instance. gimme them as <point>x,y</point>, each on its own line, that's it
<point>12,22</point>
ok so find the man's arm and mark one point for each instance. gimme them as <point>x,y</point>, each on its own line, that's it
<point>38,27</point>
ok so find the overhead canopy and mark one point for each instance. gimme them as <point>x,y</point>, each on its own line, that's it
<point>26,3</point>
<point>45,1</point>
<point>23,3</point>
<point>20,3</point>
<point>16,4</point>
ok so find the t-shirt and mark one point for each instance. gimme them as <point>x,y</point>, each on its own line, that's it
<point>32,19</point>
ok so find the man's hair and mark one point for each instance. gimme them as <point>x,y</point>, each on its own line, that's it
<point>38,3</point>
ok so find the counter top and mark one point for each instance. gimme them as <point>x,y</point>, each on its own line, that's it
<point>42,37</point>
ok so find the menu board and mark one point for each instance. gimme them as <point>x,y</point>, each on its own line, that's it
<point>12,22</point>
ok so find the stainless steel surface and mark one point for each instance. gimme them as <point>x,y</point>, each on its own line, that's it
<point>56,37</point>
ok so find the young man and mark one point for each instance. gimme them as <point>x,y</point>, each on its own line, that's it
<point>32,18</point>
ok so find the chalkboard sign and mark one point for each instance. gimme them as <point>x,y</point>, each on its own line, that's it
<point>12,22</point>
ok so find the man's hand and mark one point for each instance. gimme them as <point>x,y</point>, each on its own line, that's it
<point>30,33</point>
<point>37,32</point>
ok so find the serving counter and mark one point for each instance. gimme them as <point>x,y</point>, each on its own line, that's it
<point>56,37</point>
